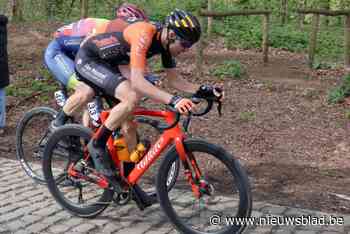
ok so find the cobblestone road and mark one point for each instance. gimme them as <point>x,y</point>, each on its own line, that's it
<point>29,208</point>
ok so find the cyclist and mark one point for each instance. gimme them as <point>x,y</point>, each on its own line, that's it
<point>60,53</point>
<point>124,42</point>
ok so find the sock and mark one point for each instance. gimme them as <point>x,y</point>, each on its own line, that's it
<point>61,118</point>
<point>101,136</point>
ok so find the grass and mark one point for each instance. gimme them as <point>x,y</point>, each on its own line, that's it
<point>36,86</point>
<point>339,93</point>
<point>347,114</point>
<point>156,65</point>
<point>247,116</point>
<point>231,68</point>
<point>246,33</point>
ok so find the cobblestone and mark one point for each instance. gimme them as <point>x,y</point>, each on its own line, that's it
<point>29,208</point>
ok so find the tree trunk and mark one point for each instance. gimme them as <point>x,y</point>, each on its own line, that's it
<point>84,8</point>
<point>313,39</point>
<point>17,14</point>
<point>49,9</point>
<point>325,4</point>
<point>265,42</point>
<point>301,17</point>
<point>347,43</point>
<point>284,9</point>
<point>199,51</point>
<point>210,19</point>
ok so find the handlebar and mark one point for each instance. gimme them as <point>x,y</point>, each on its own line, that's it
<point>161,126</point>
<point>210,101</point>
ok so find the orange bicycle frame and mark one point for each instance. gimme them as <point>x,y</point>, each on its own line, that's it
<point>174,134</point>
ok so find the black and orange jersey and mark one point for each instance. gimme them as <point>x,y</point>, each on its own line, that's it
<point>121,42</point>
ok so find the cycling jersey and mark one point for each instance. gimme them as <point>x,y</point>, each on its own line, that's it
<point>122,42</point>
<point>118,42</point>
<point>70,36</point>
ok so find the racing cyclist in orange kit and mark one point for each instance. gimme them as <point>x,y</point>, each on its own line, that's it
<point>131,42</point>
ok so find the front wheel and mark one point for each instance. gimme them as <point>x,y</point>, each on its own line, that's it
<point>227,194</point>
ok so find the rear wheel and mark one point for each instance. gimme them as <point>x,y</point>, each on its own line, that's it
<point>66,150</point>
<point>31,136</point>
<point>224,189</point>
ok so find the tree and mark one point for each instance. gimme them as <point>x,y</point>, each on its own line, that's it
<point>17,13</point>
<point>301,17</point>
<point>84,6</point>
<point>284,9</point>
<point>50,5</point>
<point>210,19</point>
<point>325,4</point>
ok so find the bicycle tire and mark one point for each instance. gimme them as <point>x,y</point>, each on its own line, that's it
<point>21,128</point>
<point>88,211</point>
<point>197,145</point>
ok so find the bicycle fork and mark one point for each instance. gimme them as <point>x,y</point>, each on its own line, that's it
<point>192,172</point>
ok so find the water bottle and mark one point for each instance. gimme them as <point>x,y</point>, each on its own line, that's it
<point>60,98</point>
<point>94,112</point>
<point>138,153</point>
<point>122,148</point>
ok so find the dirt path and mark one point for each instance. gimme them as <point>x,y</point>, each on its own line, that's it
<point>277,123</point>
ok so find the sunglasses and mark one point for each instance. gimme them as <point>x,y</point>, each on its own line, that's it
<point>185,44</point>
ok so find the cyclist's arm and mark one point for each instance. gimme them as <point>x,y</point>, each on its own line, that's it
<point>139,83</point>
<point>175,81</point>
<point>140,38</point>
<point>125,70</point>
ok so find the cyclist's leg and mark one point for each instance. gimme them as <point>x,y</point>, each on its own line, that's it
<point>86,118</point>
<point>62,67</point>
<point>105,79</point>
<point>128,101</point>
<point>59,64</point>
<point>129,132</point>
<point>81,96</point>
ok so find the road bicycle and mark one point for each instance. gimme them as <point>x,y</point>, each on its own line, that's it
<point>33,129</point>
<point>210,180</point>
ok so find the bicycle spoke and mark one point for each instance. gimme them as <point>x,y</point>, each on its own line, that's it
<point>61,177</point>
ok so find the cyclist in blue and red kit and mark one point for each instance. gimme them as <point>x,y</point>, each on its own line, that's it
<point>60,53</point>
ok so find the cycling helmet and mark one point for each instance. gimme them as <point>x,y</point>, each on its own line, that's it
<point>184,24</point>
<point>128,10</point>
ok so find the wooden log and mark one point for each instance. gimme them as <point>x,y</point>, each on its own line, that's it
<point>347,43</point>
<point>323,12</point>
<point>233,13</point>
<point>265,41</point>
<point>313,39</point>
